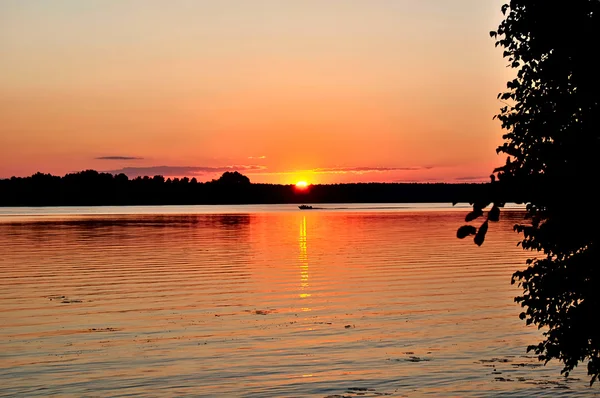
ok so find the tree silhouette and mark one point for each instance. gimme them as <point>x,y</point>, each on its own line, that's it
<point>552,117</point>
<point>91,188</point>
<point>233,177</point>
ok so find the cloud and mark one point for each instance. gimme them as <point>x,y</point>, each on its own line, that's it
<point>339,170</point>
<point>420,180</point>
<point>118,158</point>
<point>363,170</point>
<point>473,178</point>
<point>179,171</point>
<point>257,157</point>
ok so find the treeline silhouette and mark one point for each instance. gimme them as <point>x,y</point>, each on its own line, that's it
<point>91,188</point>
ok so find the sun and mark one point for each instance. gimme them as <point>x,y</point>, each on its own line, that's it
<point>301,185</point>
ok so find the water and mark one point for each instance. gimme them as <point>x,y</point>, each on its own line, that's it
<point>365,300</point>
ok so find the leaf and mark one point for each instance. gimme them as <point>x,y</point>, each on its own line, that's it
<point>494,214</point>
<point>480,236</point>
<point>473,215</point>
<point>479,205</point>
<point>465,231</point>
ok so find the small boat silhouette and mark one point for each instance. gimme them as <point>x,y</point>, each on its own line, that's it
<point>305,207</point>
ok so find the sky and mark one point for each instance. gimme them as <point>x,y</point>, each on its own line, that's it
<point>280,90</point>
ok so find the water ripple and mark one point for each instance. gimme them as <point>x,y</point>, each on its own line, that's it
<point>265,303</point>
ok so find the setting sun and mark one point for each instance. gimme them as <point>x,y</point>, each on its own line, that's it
<point>301,184</point>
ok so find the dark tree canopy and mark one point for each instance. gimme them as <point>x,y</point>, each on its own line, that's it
<point>233,177</point>
<point>91,188</point>
<point>552,119</point>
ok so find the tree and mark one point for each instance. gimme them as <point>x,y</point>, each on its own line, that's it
<point>552,118</point>
<point>234,177</point>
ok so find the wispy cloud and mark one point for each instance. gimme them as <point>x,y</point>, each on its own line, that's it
<point>118,158</point>
<point>472,178</point>
<point>363,170</point>
<point>339,170</point>
<point>178,171</point>
<point>257,157</point>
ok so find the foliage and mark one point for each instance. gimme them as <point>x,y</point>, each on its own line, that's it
<point>90,188</point>
<point>552,118</point>
<point>233,177</point>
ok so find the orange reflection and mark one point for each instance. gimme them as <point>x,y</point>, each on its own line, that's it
<point>303,257</point>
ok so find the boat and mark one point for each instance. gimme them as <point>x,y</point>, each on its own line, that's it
<point>305,207</point>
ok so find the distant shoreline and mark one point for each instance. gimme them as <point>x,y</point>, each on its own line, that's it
<point>90,188</point>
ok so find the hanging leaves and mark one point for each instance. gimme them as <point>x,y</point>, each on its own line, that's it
<point>473,215</point>
<point>465,231</point>
<point>494,214</point>
<point>480,236</point>
<point>552,138</point>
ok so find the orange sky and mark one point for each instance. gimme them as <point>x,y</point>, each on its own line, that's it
<point>335,91</point>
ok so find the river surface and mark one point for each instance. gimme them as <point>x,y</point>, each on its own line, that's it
<point>264,301</point>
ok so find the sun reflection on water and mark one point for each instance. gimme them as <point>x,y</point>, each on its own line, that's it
<point>303,259</point>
